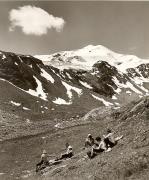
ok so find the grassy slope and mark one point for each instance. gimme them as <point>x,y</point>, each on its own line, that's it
<point>128,160</point>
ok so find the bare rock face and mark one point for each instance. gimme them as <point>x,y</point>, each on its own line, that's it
<point>19,69</point>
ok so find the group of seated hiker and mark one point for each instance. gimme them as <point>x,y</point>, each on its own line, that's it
<point>96,146</point>
<point>100,144</point>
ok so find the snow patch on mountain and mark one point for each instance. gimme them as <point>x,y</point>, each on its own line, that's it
<point>140,81</point>
<point>114,97</point>
<point>69,89</point>
<point>20,59</point>
<point>116,107</point>
<point>68,75</point>
<point>4,57</point>
<point>86,57</point>
<point>15,103</point>
<point>47,76</point>
<point>61,101</point>
<point>25,108</point>
<point>127,85</point>
<point>117,103</point>
<point>2,173</point>
<point>86,85</point>
<point>128,92</point>
<point>39,90</point>
<point>43,57</point>
<point>106,103</point>
<point>30,66</point>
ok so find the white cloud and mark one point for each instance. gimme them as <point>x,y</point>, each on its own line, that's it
<point>34,20</point>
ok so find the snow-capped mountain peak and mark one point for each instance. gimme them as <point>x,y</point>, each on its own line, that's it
<point>86,57</point>
<point>93,72</point>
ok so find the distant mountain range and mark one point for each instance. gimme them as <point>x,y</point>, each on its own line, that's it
<point>76,80</point>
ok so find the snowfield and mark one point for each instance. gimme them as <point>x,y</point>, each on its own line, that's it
<point>85,85</point>
<point>69,89</point>
<point>39,90</point>
<point>106,103</point>
<point>47,76</point>
<point>86,57</point>
<point>127,85</point>
<point>15,103</point>
<point>61,101</point>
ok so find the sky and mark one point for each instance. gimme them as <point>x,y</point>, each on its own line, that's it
<point>45,27</point>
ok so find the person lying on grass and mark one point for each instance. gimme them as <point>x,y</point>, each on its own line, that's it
<point>67,154</point>
<point>110,140</point>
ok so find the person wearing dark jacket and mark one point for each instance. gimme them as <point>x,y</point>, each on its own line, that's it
<point>44,161</point>
<point>89,141</point>
<point>98,147</point>
<point>110,140</point>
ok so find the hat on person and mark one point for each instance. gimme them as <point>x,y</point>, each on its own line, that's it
<point>44,152</point>
<point>69,147</point>
<point>89,135</point>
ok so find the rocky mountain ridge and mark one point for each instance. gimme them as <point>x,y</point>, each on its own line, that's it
<point>106,81</point>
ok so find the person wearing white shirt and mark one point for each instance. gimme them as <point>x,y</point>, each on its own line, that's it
<point>98,147</point>
<point>110,140</point>
<point>68,154</point>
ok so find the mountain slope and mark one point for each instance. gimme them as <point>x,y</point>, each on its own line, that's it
<point>91,77</point>
<point>129,159</point>
<point>103,71</point>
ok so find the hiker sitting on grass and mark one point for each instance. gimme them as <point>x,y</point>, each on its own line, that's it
<point>44,161</point>
<point>89,141</point>
<point>110,140</point>
<point>98,147</point>
<point>68,154</point>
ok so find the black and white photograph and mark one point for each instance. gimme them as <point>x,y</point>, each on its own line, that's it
<point>74,90</point>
